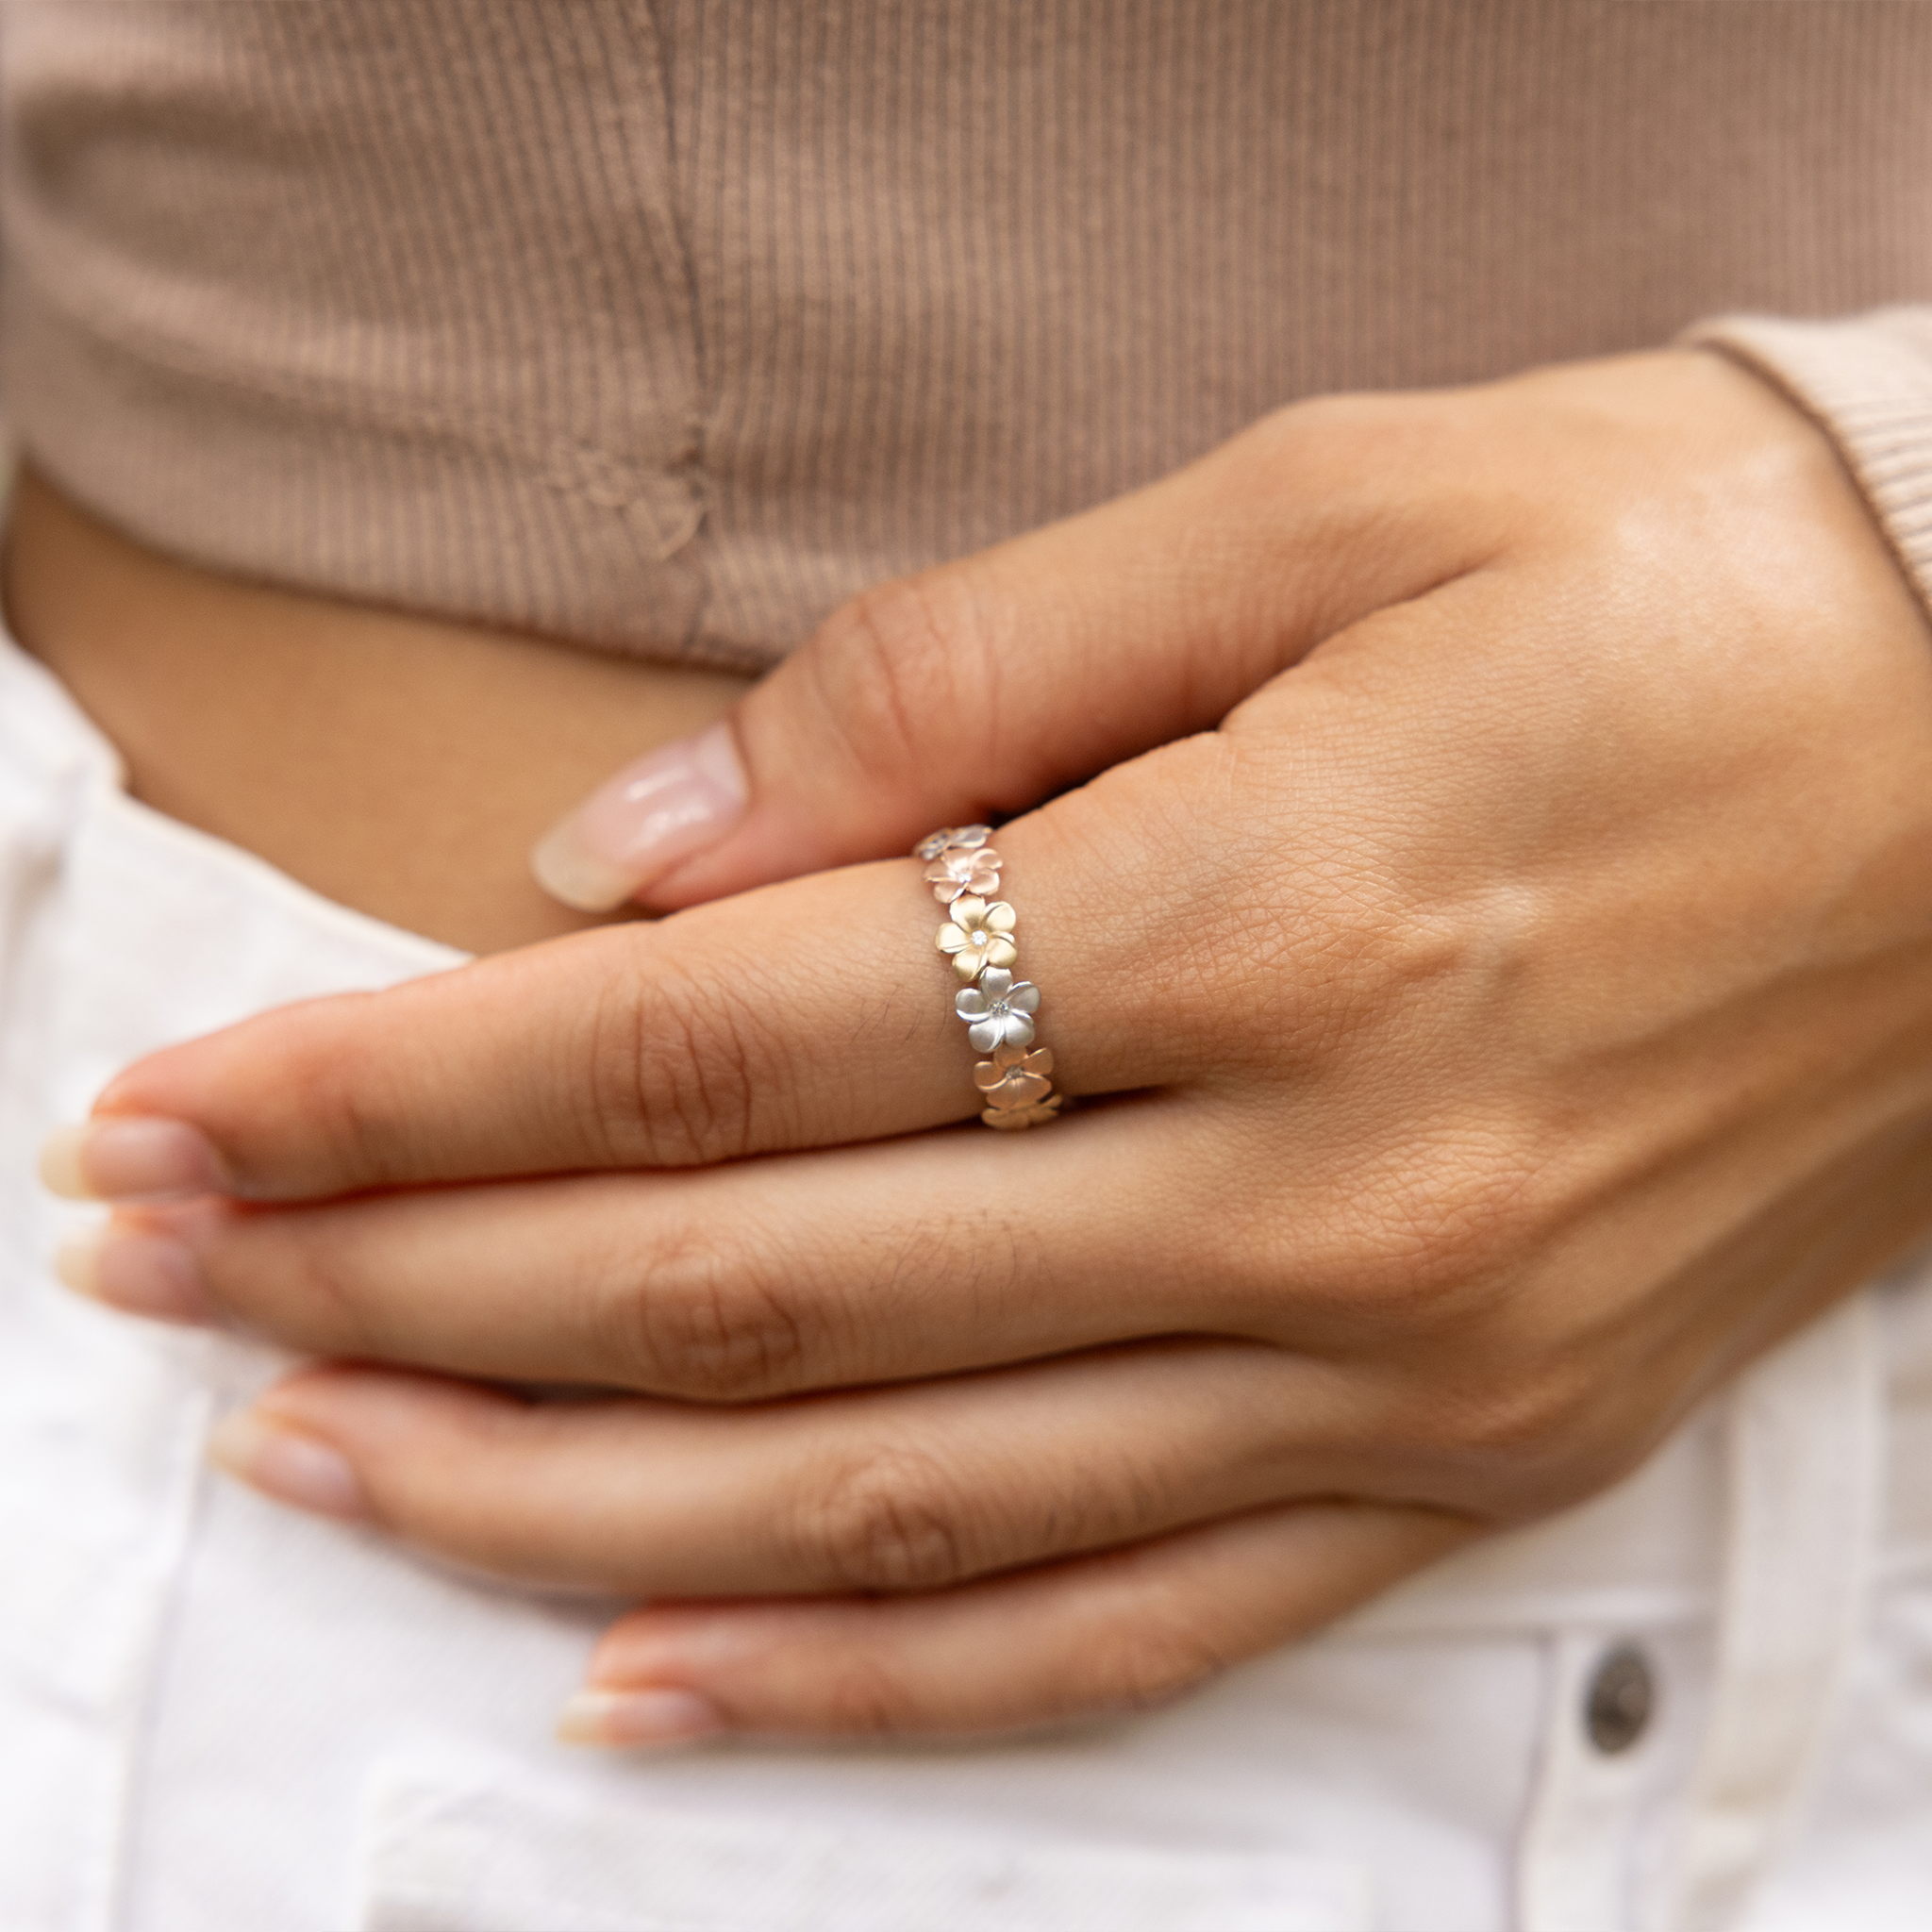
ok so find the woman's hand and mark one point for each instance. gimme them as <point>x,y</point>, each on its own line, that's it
<point>1515,1016</point>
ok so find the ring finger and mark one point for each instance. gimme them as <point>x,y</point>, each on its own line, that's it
<point>916,1257</point>
<point>812,1013</point>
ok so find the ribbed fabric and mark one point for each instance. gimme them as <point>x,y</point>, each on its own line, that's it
<point>664,328</point>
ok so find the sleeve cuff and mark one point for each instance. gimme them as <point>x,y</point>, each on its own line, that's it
<point>1868,384</point>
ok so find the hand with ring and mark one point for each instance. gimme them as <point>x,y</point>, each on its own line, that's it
<point>1482,919</point>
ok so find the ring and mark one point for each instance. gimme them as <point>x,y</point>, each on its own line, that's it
<point>1014,1081</point>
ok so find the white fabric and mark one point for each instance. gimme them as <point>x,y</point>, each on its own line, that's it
<point>216,1714</point>
<point>1805,1450</point>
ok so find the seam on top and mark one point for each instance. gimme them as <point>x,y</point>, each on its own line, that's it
<point>695,471</point>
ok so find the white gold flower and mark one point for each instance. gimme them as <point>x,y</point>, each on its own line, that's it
<point>955,873</point>
<point>978,936</point>
<point>949,837</point>
<point>999,1011</point>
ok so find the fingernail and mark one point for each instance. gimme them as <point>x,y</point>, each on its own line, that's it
<point>631,1718</point>
<point>632,829</point>
<point>291,1468</point>
<point>130,1160</point>
<point>151,1275</point>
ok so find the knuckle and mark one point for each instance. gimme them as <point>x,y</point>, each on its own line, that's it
<point>1526,1418</point>
<point>336,1279</point>
<point>1513,1440</point>
<point>1154,1657</point>
<point>712,1325</point>
<point>867,1696</point>
<point>885,1520</point>
<point>899,662</point>
<point>1323,464</point>
<point>1324,437</point>
<point>1338,947</point>
<point>1350,428</point>
<point>337,1079</point>
<point>1419,1239</point>
<point>679,1071</point>
<point>1376,955</point>
<point>1335,415</point>
<point>1457,1225</point>
<point>327,1291</point>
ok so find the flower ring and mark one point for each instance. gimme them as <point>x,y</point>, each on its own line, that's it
<point>1015,1080</point>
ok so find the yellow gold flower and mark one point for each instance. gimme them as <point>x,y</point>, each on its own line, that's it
<point>977,935</point>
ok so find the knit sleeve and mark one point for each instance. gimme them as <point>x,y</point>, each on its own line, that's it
<point>1867,381</point>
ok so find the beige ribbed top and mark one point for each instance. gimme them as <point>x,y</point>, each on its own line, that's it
<point>663,326</point>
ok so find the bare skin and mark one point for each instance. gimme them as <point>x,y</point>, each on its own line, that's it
<point>1497,947</point>
<point>397,764</point>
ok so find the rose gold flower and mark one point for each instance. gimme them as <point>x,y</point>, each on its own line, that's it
<point>1014,1077</point>
<point>1036,1114</point>
<point>954,873</point>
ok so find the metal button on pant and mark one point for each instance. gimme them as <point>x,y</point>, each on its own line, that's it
<point>1622,1695</point>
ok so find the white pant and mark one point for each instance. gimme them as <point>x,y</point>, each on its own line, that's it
<point>221,1716</point>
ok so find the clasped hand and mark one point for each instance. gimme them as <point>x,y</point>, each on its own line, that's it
<point>1484,905</point>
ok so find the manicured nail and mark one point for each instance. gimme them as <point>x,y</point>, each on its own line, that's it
<point>290,1467</point>
<point>151,1275</point>
<point>126,1159</point>
<point>633,1718</point>
<point>634,827</point>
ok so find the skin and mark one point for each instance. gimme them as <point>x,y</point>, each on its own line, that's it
<point>395,763</point>
<point>1493,940</point>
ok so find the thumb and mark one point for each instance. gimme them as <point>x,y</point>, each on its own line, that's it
<point>980,688</point>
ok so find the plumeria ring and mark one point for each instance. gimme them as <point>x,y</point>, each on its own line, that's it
<point>1015,1078</point>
